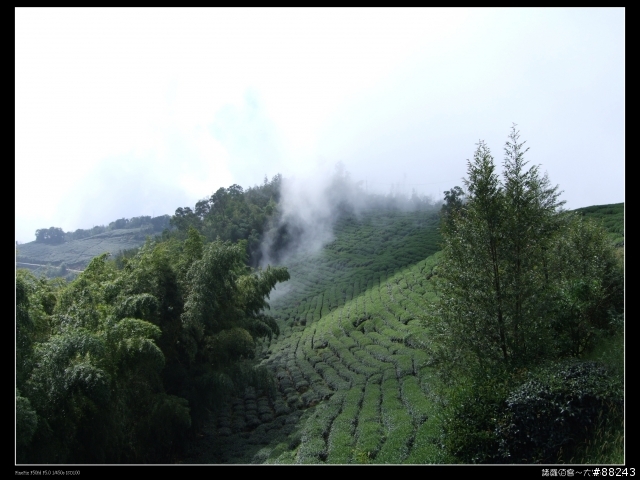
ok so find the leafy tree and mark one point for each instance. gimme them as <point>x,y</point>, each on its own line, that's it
<point>24,331</point>
<point>505,265</point>
<point>223,316</point>
<point>119,364</point>
<point>521,285</point>
<point>233,214</point>
<point>453,203</point>
<point>118,224</point>
<point>95,381</point>
<point>224,295</point>
<point>26,422</point>
<point>586,283</point>
<point>549,411</point>
<point>51,235</point>
<point>185,218</point>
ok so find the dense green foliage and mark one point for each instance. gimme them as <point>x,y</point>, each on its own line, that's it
<point>257,214</point>
<point>50,235</point>
<point>233,214</point>
<point>118,365</point>
<point>352,376</point>
<point>230,214</point>
<point>355,381</point>
<point>520,284</point>
<point>610,217</point>
<point>494,267</point>
<point>549,412</point>
<point>168,352</point>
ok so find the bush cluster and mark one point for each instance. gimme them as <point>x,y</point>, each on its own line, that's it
<point>555,410</point>
<point>521,284</point>
<point>536,418</point>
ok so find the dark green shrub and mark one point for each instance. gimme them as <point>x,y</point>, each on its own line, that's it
<point>26,421</point>
<point>556,409</point>
<point>469,421</point>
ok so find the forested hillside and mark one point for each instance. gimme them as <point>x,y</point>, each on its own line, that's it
<point>254,215</point>
<point>490,330</point>
<point>355,376</point>
<point>383,360</point>
<point>349,321</point>
<point>122,364</point>
<point>230,214</point>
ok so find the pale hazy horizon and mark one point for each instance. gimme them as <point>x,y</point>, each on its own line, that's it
<point>129,112</point>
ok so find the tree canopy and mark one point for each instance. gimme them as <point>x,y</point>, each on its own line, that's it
<point>520,279</point>
<point>525,291</point>
<point>118,365</point>
<point>233,214</point>
<point>52,235</point>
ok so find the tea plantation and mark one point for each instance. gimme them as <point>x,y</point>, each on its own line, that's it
<point>353,381</point>
<point>352,376</point>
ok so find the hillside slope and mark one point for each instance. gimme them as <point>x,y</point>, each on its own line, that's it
<point>378,243</point>
<point>611,217</point>
<point>352,379</point>
<point>352,376</point>
<point>78,253</point>
<point>366,358</point>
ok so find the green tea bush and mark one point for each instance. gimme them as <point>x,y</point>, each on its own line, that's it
<point>392,335</point>
<point>340,439</point>
<point>398,424</point>
<point>469,421</point>
<point>404,365</point>
<point>309,373</point>
<point>361,338</point>
<point>415,400</point>
<point>379,352</point>
<point>539,419</point>
<point>369,431</point>
<point>313,448</point>
<point>426,446</point>
<point>556,409</point>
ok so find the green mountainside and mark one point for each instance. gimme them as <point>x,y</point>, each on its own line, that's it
<point>352,379</point>
<point>611,217</point>
<point>77,254</point>
<point>378,243</point>
<point>231,214</point>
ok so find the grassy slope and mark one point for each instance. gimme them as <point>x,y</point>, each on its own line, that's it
<point>350,332</point>
<point>78,253</point>
<point>611,217</point>
<point>377,244</point>
<point>352,376</point>
<point>365,358</point>
<point>352,379</point>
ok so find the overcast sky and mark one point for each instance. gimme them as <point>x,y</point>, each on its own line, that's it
<point>128,112</point>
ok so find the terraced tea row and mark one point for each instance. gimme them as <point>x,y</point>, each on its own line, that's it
<point>365,249</point>
<point>366,359</point>
<point>361,376</point>
<point>349,363</point>
<point>79,253</point>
